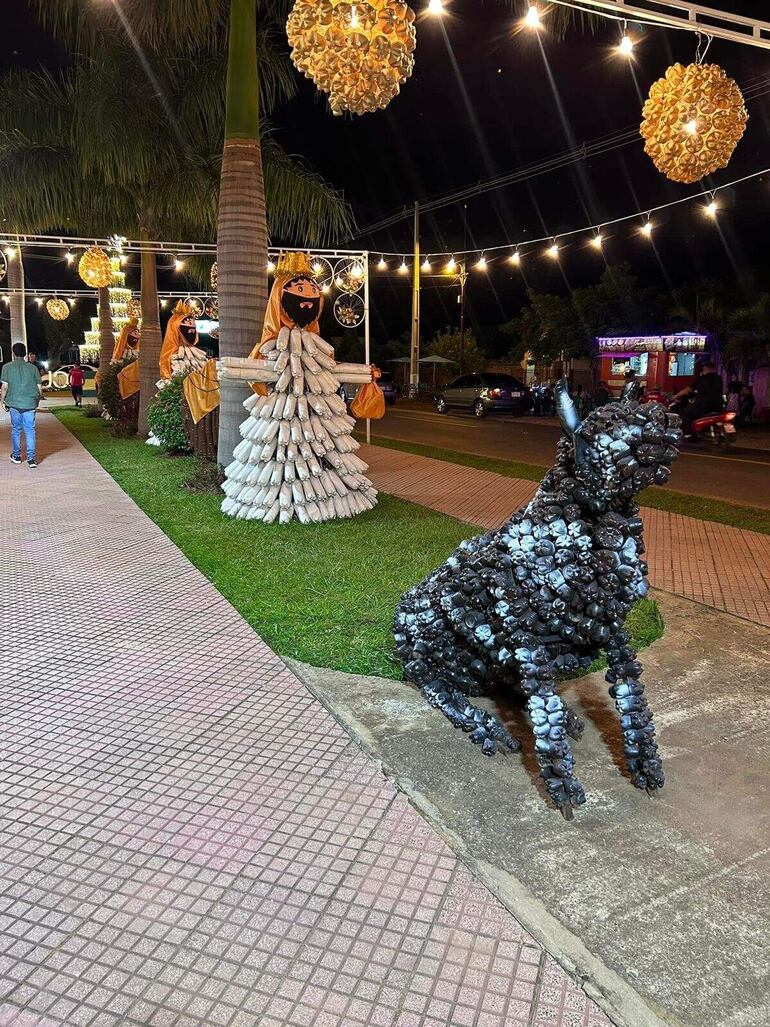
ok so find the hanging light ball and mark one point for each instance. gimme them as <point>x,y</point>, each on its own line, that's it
<point>134,308</point>
<point>58,309</point>
<point>693,120</point>
<point>359,53</point>
<point>215,276</point>
<point>95,268</point>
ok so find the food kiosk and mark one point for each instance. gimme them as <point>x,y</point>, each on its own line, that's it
<point>663,363</point>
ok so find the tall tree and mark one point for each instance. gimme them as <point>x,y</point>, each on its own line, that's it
<point>147,124</point>
<point>242,229</point>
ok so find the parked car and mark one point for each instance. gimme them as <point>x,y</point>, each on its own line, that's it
<point>388,387</point>
<point>386,383</point>
<point>482,393</point>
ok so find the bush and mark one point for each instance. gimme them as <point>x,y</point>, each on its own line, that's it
<point>109,393</point>
<point>165,418</point>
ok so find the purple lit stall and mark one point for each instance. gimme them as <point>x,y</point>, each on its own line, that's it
<point>664,363</point>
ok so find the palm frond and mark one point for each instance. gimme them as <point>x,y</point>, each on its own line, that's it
<point>300,204</point>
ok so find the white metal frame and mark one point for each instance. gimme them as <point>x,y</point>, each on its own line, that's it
<point>680,14</point>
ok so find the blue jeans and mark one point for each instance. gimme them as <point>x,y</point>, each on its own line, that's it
<point>23,419</point>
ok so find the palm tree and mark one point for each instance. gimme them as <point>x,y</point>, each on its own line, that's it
<point>152,136</point>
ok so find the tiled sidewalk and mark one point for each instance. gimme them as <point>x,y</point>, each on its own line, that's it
<point>727,568</point>
<point>188,839</point>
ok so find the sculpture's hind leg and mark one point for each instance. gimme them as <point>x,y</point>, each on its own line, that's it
<point>641,749</point>
<point>550,720</point>
<point>484,728</point>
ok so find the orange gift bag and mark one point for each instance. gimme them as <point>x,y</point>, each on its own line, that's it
<point>369,403</point>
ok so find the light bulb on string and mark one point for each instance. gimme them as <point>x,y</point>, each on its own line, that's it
<point>10,252</point>
<point>178,264</point>
<point>164,303</point>
<point>712,207</point>
<point>532,18</point>
<point>39,301</point>
<point>451,265</point>
<point>381,264</point>
<point>597,241</point>
<point>426,265</point>
<point>515,258</point>
<point>270,267</point>
<point>481,263</point>
<point>647,228</point>
<point>317,268</point>
<point>403,267</point>
<point>553,251</point>
<point>124,260</point>
<point>69,256</point>
<point>436,7</point>
<point>626,45</point>
<point>357,271</point>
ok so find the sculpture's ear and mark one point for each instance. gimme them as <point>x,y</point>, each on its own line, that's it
<point>570,422</point>
<point>630,390</point>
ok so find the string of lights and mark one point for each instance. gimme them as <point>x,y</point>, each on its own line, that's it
<point>595,232</point>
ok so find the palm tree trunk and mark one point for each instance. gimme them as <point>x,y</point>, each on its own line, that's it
<point>242,228</point>
<point>106,331</point>
<point>16,285</point>
<point>149,350</point>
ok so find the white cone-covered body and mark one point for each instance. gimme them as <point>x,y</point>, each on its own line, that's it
<point>297,457</point>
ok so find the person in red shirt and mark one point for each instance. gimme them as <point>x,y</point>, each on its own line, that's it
<point>77,381</point>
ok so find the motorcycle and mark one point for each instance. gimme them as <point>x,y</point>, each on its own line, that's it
<point>716,428</point>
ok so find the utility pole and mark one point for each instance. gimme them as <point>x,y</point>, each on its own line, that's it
<point>414,363</point>
<point>461,278</point>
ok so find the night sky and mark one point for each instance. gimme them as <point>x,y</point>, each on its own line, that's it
<point>484,100</point>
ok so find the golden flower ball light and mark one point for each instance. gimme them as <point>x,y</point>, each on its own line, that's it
<point>215,276</point>
<point>58,309</point>
<point>693,120</point>
<point>95,268</point>
<point>358,53</point>
<point>134,308</point>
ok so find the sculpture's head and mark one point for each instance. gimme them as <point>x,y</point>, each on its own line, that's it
<point>301,300</point>
<point>616,451</point>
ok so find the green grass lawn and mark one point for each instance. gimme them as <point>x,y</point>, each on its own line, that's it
<point>749,517</point>
<point>324,594</point>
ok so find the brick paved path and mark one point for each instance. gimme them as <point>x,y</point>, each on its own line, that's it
<point>727,568</point>
<point>188,839</point>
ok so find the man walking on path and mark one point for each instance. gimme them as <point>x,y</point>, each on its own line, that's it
<point>20,392</point>
<point>77,381</point>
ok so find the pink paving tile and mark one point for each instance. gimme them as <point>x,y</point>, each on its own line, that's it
<point>190,839</point>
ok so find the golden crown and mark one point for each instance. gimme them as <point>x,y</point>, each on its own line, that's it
<point>293,264</point>
<point>184,308</point>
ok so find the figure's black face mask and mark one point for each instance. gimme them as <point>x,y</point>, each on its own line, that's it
<point>189,331</point>
<point>301,301</point>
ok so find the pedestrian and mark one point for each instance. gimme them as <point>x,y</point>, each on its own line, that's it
<point>603,395</point>
<point>734,391</point>
<point>77,381</point>
<point>20,392</point>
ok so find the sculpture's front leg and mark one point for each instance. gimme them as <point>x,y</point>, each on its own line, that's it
<point>550,722</point>
<point>640,746</point>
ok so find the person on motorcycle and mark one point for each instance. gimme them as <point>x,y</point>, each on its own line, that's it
<point>705,394</point>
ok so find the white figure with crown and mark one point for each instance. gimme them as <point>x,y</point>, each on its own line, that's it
<point>297,457</point>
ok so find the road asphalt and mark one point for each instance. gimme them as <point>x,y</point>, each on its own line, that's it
<point>740,476</point>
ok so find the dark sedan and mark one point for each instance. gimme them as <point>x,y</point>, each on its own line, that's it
<point>483,393</point>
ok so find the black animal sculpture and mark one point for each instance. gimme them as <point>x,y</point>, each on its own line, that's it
<point>541,596</point>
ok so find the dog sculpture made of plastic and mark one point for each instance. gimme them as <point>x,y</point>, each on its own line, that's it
<point>546,593</point>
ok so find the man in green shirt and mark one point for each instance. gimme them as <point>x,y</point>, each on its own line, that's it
<point>20,392</point>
